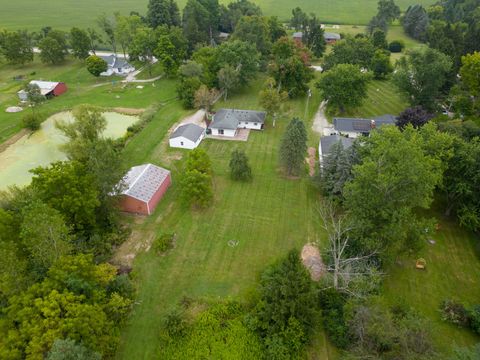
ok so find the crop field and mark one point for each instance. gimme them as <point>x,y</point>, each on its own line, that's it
<point>34,14</point>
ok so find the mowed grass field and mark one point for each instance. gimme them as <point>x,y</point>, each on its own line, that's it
<point>63,14</point>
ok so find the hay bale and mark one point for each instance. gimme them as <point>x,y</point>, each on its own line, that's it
<point>13,109</point>
<point>312,260</point>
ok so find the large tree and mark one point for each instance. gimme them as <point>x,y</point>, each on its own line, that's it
<point>79,43</point>
<point>313,35</point>
<point>53,47</point>
<point>355,51</point>
<point>415,22</point>
<point>273,101</point>
<point>171,49</point>
<point>421,75</point>
<point>228,80</point>
<point>96,65</point>
<point>143,46</point>
<point>239,167</point>
<point>163,12</point>
<point>470,73</point>
<point>16,46</point>
<point>344,86</point>
<point>293,147</point>
<point>196,181</point>
<point>416,116</point>
<point>240,55</point>
<point>254,29</point>
<point>199,23</point>
<point>126,27</point>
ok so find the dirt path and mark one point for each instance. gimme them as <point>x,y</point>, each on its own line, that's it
<point>320,121</point>
<point>311,160</point>
<point>13,139</point>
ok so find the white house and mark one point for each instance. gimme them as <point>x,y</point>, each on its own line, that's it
<point>117,66</point>
<point>225,122</point>
<point>326,143</point>
<point>187,136</point>
<point>355,127</point>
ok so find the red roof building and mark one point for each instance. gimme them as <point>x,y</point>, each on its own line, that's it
<point>144,187</point>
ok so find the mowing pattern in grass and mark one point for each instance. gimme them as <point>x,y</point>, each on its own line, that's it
<point>453,271</point>
<point>34,14</point>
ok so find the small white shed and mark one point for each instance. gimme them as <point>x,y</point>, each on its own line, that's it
<point>187,136</point>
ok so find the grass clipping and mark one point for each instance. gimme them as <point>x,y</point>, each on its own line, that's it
<point>312,260</point>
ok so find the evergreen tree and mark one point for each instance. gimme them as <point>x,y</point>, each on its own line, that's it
<point>293,147</point>
<point>239,166</point>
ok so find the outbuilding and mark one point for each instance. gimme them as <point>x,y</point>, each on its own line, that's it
<point>226,121</point>
<point>187,136</point>
<point>47,88</point>
<point>143,187</point>
<point>331,38</point>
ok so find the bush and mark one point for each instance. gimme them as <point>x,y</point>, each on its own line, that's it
<point>454,312</point>
<point>32,121</point>
<point>396,46</point>
<point>163,242</point>
<point>175,323</point>
<point>474,318</point>
<point>122,286</point>
<point>332,304</point>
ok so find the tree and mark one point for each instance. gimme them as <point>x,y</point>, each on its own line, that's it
<point>44,236</point>
<point>93,38</point>
<point>125,28</point>
<point>293,147</point>
<point>298,18</point>
<point>388,10</point>
<point>272,101</point>
<point>396,46</point>
<point>470,71</point>
<point>34,96</point>
<point>254,30</point>
<point>96,65</point>
<point>415,22</point>
<point>108,27</point>
<point>240,55</point>
<point>16,46</point>
<point>205,98</point>
<point>198,25</point>
<point>163,12</point>
<point>196,182</point>
<point>285,313</point>
<point>53,48</point>
<point>68,349</point>
<point>186,90</point>
<point>381,65</point>
<point>344,86</point>
<point>416,116</point>
<point>171,48</point>
<point>275,29</point>
<point>239,166</point>
<point>379,40</point>
<point>396,176</point>
<point>355,51</point>
<point>79,42</point>
<point>144,44</point>
<point>228,79</point>
<point>313,35</point>
<point>354,275</point>
<point>421,76</point>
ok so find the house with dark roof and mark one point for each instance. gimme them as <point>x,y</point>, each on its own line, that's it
<point>331,38</point>
<point>187,136</point>
<point>143,187</point>
<point>116,66</point>
<point>355,127</point>
<point>327,142</point>
<point>225,122</point>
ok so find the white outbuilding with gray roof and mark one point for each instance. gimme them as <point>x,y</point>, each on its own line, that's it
<point>187,136</point>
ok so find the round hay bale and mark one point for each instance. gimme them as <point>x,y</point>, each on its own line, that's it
<point>13,109</point>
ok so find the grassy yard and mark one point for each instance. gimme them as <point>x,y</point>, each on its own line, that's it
<point>63,14</point>
<point>267,217</point>
<point>453,272</point>
<point>82,88</point>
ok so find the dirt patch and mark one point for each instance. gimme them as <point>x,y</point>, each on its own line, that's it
<point>311,160</point>
<point>312,260</point>
<point>12,140</point>
<point>128,111</point>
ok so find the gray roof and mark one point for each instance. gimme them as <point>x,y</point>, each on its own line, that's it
<point>362,125</point>
<point>115,61</point>
<point>298,35</point>
<point>230,118</point>
<point>190,131</point>
<point>331,36</point>
<point>326,143</point>
<point>143,181</point>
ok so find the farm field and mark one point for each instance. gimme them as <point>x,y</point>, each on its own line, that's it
<point>60,13</point>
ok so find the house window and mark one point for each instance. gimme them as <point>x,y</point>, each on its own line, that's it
<point>220,131</point>
<point>181,143</point>
<point>255,124</point>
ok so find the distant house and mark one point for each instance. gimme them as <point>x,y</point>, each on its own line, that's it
<point>355,127</point>
<point>47,88</point>
<point>223,36</point>
<point>144,186</point>
<point>117,66</point>
<point>331,38</point>
<point>225,122</point>
<point>298,36</point>
<point>187,136</point>
<point>326,143</point>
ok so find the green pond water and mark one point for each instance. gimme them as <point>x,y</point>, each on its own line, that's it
<point>42,147</point>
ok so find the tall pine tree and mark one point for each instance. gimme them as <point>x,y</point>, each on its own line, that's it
<point>293,147</point>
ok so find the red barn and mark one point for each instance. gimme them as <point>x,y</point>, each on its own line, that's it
<point>144,186</point>
<point>48,89</point>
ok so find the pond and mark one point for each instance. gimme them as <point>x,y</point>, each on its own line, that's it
<point>42,147</point>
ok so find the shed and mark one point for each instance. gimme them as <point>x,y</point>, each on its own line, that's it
<point>187,136</point>
<point>47,89</point>
<point>226,121</point>
<point>144,186</point>
<point>298,36</point>
<point>331,38</point>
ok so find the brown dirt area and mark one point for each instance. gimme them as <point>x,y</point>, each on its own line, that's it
<point>312,260</point>
<point>128,111</point>
<point>311,160</point>
<point>13,139</point>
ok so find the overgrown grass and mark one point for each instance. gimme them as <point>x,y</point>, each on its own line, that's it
<point>34,15</point>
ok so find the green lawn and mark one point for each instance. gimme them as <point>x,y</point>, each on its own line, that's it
<point>34,14</point>
<point>82,88</point>
<point>453,272</point>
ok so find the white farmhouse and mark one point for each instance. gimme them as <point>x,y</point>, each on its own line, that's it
<point>187,136</point>
<point>116,66</point>
<point>225,122</point>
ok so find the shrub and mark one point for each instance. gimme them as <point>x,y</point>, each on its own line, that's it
<point>163,242</point>
<point>332,304</point>
<point>96,65</point>
<point>396,46</point>
<point>32,121</point>
<point>122,285</point>
<point>474,318</point>
<point>175,323</point>
<point>454,312</point>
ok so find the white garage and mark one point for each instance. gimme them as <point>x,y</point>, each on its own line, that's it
<point>187,136</point>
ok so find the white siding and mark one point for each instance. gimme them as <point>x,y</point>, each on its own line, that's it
<point>184,143</point>
<point>249,125</point>
<point>228,133</point>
